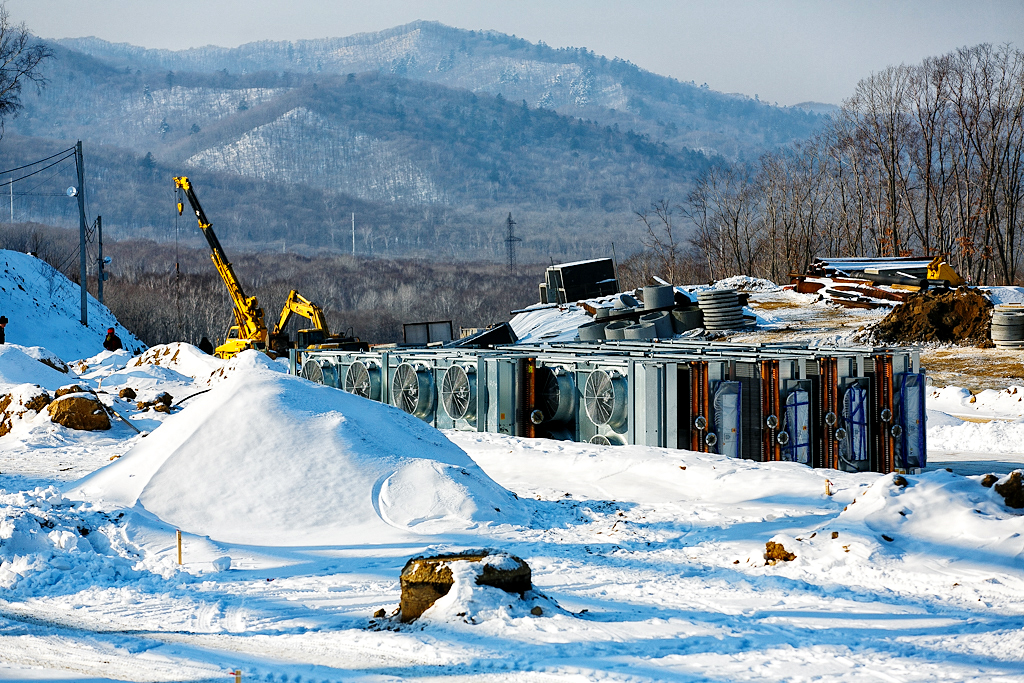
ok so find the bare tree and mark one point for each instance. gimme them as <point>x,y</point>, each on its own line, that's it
<point>20,59</point>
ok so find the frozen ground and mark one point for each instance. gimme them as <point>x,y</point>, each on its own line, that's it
<point>299,509</point>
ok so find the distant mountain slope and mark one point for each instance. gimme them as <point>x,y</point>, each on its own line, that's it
<point>572,81</point>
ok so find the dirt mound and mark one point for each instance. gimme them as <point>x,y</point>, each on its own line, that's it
<point>949,315</point>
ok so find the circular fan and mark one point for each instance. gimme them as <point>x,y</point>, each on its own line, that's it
<point>554,394</point>
<point>602,440</point>
<point>363,379</point>
<point>312,371</point>
<point>604,398</point>
<point>458,393</point>
<point>412,390</point>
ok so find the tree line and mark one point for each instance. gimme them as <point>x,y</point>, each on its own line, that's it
<point>925,159</point>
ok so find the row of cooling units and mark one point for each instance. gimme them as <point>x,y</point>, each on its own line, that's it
<point>856,409</point>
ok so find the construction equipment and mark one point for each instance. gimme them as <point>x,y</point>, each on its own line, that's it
<point>319,337</point>
<point>249,330</point>
<point>938,269</point>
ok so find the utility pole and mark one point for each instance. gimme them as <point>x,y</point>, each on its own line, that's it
<point>81,231</point>
<point>11,183</point>
<point>353,234</point>
<point>100,275</point>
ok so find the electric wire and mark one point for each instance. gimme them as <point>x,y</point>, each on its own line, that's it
<point>12,170</point>
<point>29,175</point>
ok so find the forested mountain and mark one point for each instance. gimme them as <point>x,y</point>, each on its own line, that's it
<point>431,135</point>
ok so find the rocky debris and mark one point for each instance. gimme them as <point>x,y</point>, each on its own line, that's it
<point>82,411</point>
<point>426,579</point>
<point>127,393</point>
<point>899,480</point>
<point>953,315</point>
<point>988,480</point>
<point>1011,488</point>
<point>775,553</point>
<point>56,363</point>
<point>160,404</point>
<point>72,389</point>
<point>15,405</point>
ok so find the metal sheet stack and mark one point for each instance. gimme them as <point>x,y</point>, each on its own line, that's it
<point>1008,326</point>
<point>722,310</point>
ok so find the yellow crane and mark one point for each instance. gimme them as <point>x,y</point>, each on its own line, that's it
<point>249,330</point>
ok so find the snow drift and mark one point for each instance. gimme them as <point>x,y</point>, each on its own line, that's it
<point>270,459</point>
<point>44,309</point>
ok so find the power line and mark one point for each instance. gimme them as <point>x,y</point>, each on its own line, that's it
<point>12,170</point>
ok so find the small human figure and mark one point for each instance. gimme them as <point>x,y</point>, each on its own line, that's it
<point>206,346</point>
<point>3,324</point>
<point>112,342</point>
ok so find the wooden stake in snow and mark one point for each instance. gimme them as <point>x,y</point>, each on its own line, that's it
<point>237,673</point>
<point>178,532</point>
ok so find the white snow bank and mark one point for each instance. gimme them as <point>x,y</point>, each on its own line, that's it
<point>180,357</point>
<point>271,459</point>
<point>551,324</point>
<point>974,437</point>
<point>44,309</point>
<point>991,403</point>
<point>1004,295</point>
<point>18,367</point>
<point>50,544</point>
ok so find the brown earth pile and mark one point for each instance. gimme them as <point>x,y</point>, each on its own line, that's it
<point>775,553</point>
<point>15,406</point>
<point>426,579</point>
<point>950,315</point>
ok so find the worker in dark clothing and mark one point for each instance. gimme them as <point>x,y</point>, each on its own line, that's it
<point>205,346</point>
<point>112,342</point>
<point>3,324</point>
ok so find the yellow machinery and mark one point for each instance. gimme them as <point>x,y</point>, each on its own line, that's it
<point>249,330</point>
<point>319,337</point>
<point>938,269</point>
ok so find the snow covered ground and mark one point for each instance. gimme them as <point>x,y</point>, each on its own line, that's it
<point>299,505</point>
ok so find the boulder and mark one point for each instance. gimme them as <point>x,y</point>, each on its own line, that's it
<point>426,579</point>
<point>15,405</point>
<point>79,411</point>
<point>165,398</point>
<point>1011,488</point>
<point>72,389</point>
<point>127,393</point>
<point>776,552</point>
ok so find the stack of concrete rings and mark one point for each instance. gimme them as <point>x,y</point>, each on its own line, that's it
<point>1008,326</point>
<point>721,309</point>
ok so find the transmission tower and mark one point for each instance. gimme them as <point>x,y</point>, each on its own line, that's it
<point>510,242</point>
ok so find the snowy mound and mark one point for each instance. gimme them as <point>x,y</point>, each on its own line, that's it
<point>270,459</point>
<point>18,367</point>
<point>44,309</point>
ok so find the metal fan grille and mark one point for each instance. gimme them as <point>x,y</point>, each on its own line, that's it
<point>599,397</point>
<point>548,393</point>
<point>457,393</point>
<point>357,380</point>
<point>412,390</point>
<point>312,371</point>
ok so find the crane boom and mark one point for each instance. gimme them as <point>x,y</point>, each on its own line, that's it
<point>248,315</point>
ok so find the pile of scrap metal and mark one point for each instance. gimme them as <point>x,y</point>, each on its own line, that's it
<point>874,282</point>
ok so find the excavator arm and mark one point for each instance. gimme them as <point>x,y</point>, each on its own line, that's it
<point>300,305</point>
<point>248,314</point>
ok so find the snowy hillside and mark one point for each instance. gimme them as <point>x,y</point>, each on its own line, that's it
<point>44,309</point>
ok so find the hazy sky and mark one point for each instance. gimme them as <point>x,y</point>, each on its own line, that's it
<point>787,51</point>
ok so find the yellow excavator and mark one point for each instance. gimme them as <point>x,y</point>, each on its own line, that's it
<point>319,337</point>
<point>249,330</point>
